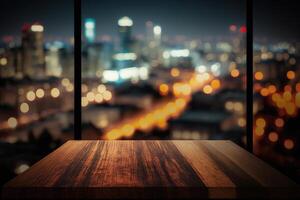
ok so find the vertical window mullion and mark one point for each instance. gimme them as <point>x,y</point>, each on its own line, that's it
<point>249,93</point>
<point>77,70</point>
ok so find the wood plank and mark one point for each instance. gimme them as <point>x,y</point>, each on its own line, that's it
<point>148,169</point>
<point>256,168</point>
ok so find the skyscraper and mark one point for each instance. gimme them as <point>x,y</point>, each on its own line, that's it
<point>90,27</point>
<point>125,28</point>
<point>33,51</point>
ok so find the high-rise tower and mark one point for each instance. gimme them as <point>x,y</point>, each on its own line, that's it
<point>33,51</point>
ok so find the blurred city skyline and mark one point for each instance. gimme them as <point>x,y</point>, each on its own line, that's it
<point>192,18</point>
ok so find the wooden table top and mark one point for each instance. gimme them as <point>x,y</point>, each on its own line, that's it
<point>149,169</point>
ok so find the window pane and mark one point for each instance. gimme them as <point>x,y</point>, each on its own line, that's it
<point>277,84</point>
<point>36,81</point>
<point>164,69</point>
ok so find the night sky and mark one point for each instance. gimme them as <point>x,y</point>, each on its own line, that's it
<point>274,19</point>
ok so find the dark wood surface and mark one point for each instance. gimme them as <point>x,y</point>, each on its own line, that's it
<point>150,169</point>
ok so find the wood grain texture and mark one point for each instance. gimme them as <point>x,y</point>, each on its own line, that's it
<point>149,169</point>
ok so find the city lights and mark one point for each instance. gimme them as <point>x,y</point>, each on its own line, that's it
<point>273,137</point>
<point>125,21</point>
<point>30,96</point>
<point>24,107</point>
<point>55,92</point>
<point>164,89</point>
<point>3,61</point>
<point>40,93</point>
<point>110,75</point>
<point>175,72</point>
<point>235,73</point>
<point>288,144</point>
<point>180,53</point>
<point>37,28</point>
<point>12,122</point>
<point>84,101</point>
<point>290,75</point>
<point>125,56</point>
<point>157,30</point>
<point>259,76</point>
<point>101,88</point>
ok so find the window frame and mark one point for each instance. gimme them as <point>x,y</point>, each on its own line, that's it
<point>78,70</point>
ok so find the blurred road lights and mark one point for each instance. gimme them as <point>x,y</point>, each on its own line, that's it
<point>12,122</point>
<point>24,107</point>
<point>163,89</point>
<point>55,92</point>
<point>40,93</point>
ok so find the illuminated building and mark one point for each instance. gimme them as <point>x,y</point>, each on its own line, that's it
<point>33,53</point>
<point>97,57</point>
<point>54,59</point>
<point>90,30</point>
<point>125,28</point>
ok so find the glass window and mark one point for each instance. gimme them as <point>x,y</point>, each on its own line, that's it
<point>36,81</point>
<point>164,69</point>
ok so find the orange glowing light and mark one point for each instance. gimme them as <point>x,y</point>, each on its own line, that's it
<point>288,88</point>
<point>163,89</point>
<point>261,122</point>
<point>290,75</point>
<point>181,103</point>
<point>272,89</point>
<point>276,97</point>
<point>175,72</point>
<point>128,130</point>
<point>207,89</point>
<point>264,92</point>
<point>290,108</point>
<point>287,96</point>
<point>298,87</point>
<point>273,137</point>
<point>289,144</point>
<point>297,99</point>
<point>235,73</point>
<point>259,76</point>
<point>279,122</point>
<point>216,84</point>
<point>259,131</point>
